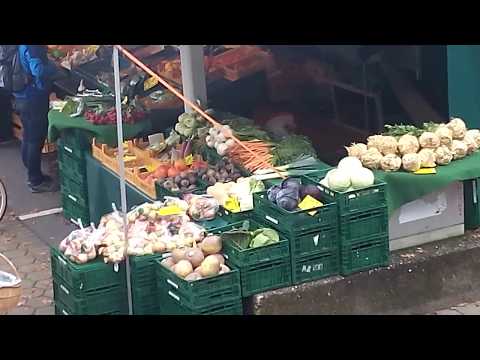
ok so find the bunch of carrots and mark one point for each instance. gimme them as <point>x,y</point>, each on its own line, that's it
<point>262,151</point>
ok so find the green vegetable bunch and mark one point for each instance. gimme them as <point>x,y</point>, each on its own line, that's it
<point>291,149</point>
<point>251,239</point>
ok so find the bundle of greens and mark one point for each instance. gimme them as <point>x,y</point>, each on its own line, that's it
<point>292,148</point>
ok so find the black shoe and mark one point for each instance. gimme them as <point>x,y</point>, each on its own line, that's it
<point>46,178</point>
<point>45,186</point>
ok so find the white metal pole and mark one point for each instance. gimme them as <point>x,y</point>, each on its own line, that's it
<point>193,74</point>
<point>123,189</point>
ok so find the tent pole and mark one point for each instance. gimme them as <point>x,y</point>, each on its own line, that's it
<point>123,192</point>
<point>193,74</point>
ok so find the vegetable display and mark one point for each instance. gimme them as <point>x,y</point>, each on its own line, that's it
<point>289,194</point>
<point>247,239</point>
<point>241,190</point>
<point>410,148</point>
<point>351,175</point>
<point>201,261</point>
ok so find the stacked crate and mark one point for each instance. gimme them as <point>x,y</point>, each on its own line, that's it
<point>261,269</point>
<point>94,288</point>
<point>144,285</point>
<point>72,147</point>
<point>471,193</point>
<point>363,225</point>
<point>217,295</point>
<point>312,234</point>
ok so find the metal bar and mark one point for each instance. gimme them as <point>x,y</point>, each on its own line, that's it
<point>123,191</point>
<point>40,214</point>
<point>193,74</point>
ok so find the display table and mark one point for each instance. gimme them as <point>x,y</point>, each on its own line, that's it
<point>404,187</point>
<point>104,189</point>
<point>104,133</point>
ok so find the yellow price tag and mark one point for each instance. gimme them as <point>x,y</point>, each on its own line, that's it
<point>149,83</point>
<point>189,160</point>
<point>170,210</point>
<point>309,202</point>
<point>232,204</point>
<point>150,168</point>
<point>425,171</point>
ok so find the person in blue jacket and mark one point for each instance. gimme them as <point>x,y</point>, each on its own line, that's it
<point>33,105</point>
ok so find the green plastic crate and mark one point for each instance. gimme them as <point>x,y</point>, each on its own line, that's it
<point>142,268</point>
<point>265,276</point>
<point>315,267</point>
<point>92,303</point>
<point>72,168</point>
<point>73,211</point>
<point>78,193</point>
<point>371,254</point>
<point>200,293</point>
<point>355,227</point>
<point>63,310</point>
<point>84,278</point>
<point>471,194</point>
<point>170,305</point>
<point>356,200</point>
<point>293,222</point>
<point>145,299</point>
<point>325,239</point>
<point>240,257</point>
<point>162,192</point>
<point>75,141</point>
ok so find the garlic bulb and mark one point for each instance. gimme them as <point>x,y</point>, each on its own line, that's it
<point>356,150</point>
<point>427,158</point>
<point>391,162</point>
<point>371,159</point>
<point>411,162</point>
<point>459,149</point>
<point>387,145</point>
<point>374,141</point>
<point>429,140</point>
<point>408,144</point>
<point>443,155</point>
<point>444,134</point>
<point>472,146</point>
<point>475,134</point>
<point>458,128</point>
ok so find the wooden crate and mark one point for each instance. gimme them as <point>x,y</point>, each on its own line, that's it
<point>17,129</point>
<point>106,155</point>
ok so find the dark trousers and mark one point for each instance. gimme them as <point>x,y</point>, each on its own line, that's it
<point>34,115</point>
<point>5,116</point>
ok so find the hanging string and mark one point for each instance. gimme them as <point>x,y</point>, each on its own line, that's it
<point>192,105</point>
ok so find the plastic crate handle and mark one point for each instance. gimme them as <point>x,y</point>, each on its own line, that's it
<point>64,263</point>
<point>269,218</point>
<point>68,149</point>
<point>172,283</point>
<point>73,198</point>
<point>65,313</point>
<point>65,290</point>
<point>176,297</point>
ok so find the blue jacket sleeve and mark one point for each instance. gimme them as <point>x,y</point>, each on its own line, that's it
<point>41,70</point>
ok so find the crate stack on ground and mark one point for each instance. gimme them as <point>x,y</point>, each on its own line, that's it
<point>312,234</point>
<point>363,225</point>
<point>72,147</point>
<point>17,130</point>
<point>94,288</point>
<point>144,285</point>
<point>217,295</point>
<point>471,192</point>
<point>263,268</point>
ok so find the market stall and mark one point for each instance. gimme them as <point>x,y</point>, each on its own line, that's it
<point>286,217</point>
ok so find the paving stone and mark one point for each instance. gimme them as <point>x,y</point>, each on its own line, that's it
<point>39,302</point>
<point>48,310</point>
<point>30,268</point>
<point>8,246</point>
<point>26,283</point>
<point>448,312</point>
<point>33,292</point>
<point>39,275</point>
<point>44,284</point>
<point>15,254</point>
<point>22,260</point>
<point>470,309</point>
<point>21,310</point>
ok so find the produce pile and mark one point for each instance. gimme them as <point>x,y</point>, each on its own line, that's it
<point>152,228</point>
<point>201,261</point>
<point>409,148</point>
<point>240,191</point>
<point>349,175</point>
<point>291,192</point>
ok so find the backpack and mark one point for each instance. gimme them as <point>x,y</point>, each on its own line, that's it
<point>13,77</point>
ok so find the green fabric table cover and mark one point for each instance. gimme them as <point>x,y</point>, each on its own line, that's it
<point>106,134</point>
<point>405,187</point>
<point>104,189</point>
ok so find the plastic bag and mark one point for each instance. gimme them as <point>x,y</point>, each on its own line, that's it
<point>202,207</point>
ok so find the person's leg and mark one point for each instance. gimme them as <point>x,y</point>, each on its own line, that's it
<point>6,133</point>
